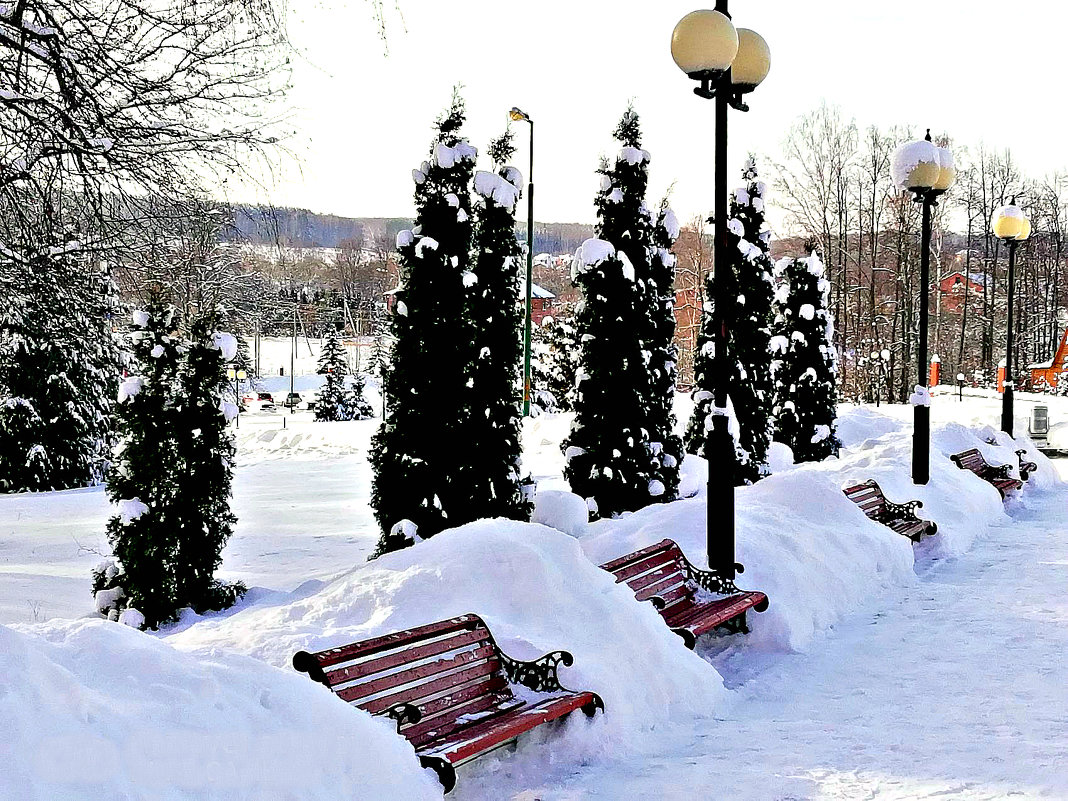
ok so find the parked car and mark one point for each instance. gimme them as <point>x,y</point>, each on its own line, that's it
<point>257,402</point>
<point>294,400</point>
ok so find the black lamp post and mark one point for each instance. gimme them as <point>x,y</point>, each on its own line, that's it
<point>728,63</point>
<point>520,116</point>
<point>960,387</point>
<point>1012,227</point>
<point>926,171</point>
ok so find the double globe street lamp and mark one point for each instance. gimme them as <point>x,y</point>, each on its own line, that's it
<point>727,63</point>
<point>1012,227</point>
<point>926,171</point>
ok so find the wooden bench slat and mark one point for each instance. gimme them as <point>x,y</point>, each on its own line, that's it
<point>427,690</point>
<point>619,564</point>
<point>416,674</point>
<point>637,567</point>
<point>473,740</point>
<point>451,642</point>
<point>333,656</point>
<point>436,728</point>
<point>671,578</point>
<point>491,686</point>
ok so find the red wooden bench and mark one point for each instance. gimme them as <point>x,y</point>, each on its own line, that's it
<point>901,517</point>
<point>691,601</point>
<point>1027,467</point>
<point>449,687</point>
<point>1000,476</point>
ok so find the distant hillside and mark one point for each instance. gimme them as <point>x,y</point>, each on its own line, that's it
<point>266,225</point>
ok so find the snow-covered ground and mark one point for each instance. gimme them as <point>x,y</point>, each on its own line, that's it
<point>880,670</point>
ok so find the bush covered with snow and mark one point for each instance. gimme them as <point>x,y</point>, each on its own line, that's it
<point>564,511</point>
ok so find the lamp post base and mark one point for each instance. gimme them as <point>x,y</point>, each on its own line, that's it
<point>1006,411</point>
<point>921,445</point>
<point>719,509</point>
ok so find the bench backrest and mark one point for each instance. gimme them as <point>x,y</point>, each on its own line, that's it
<point>448,670</point>
<point>658,570</point>
<point>868,496</point>
<point>971,460</point>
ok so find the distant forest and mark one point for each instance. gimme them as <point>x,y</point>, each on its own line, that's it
<point>269,225</point>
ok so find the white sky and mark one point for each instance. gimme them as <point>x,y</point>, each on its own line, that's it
<point>979,71</point>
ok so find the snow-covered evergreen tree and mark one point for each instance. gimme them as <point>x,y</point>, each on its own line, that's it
<point>361,407</point>
<point>206,461</point>
<point>804,366</point>
<point>610,462</point>
<point>58,367</point>
<point>750,290</point>
<point>335,400</point>
<point>419,456</point>
<point>143,484</point>
<point>665,444</point>
<point>554,365</point>
<point>493,415</point>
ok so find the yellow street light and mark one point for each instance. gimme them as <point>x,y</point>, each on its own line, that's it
<point>753,62</point>
<point>518,116</point>
<point>1008,223</point>
<point>704,43</point>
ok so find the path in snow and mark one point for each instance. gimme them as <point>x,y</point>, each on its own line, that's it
<point>957,691</point>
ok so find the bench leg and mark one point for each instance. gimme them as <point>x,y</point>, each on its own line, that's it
<point>446,772</point>
<point>591,708</point>
<point>736,625</point>
<point>687,637</point>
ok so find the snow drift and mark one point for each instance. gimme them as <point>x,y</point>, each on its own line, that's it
<point>536,591</point>
<point>93,710</point>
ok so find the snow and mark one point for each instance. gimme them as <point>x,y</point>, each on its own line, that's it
<point>402,308</point>
<point>591,253</point>
<point>491,185</point>
<point>920,396</point>
<point>880,668</point>
<point>424,244</point>
<point>626,266</point>
<point>633,155</point>
<point>129,387</point>
<point>404,238</point>
<point>130,510</point>
<point>562,510</point>
<point>908,157</point>
<point>615,196</point>
<point>131,617</point>
<point>807,311</point>
<point>446,156</point>
<point>671,224</point>
<point>140,318</point>
<point>94,710</point>
<point>226,343</point>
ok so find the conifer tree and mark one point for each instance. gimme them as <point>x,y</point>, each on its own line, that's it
<point>58,367</point>
<point>419,456</point>
<point>749,317</point>
<point>804,367</point>
<point>206,459</point>
<point>665,444</point>
<point>609,459</point>
<point>335,400</point>
<point>493,416</point>
<point>144,534</point>
<point>555,363</point>
<point>360,406</point>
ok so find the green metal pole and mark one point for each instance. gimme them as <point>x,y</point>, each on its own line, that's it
<point>530,275</point>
